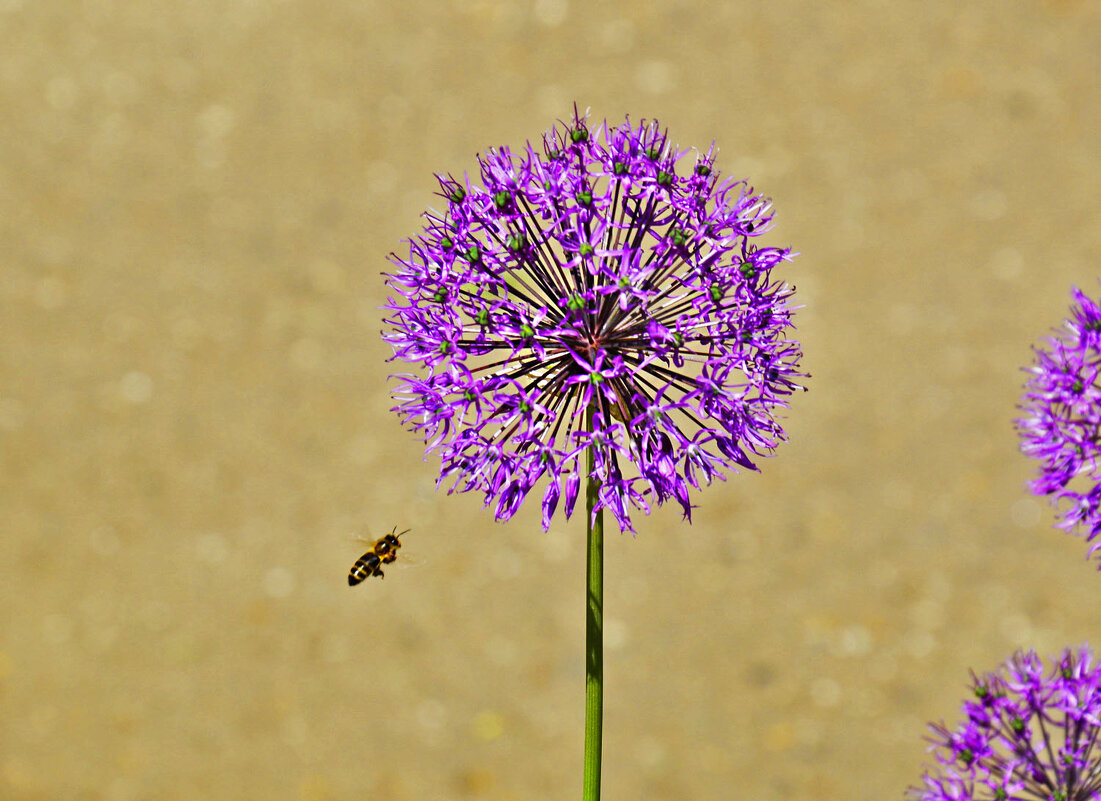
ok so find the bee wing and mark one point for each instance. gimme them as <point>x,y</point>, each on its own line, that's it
<point>362,535</point>
<point>369,537</point>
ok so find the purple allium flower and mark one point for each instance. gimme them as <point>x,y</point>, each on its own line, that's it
<point>596,294</point>
<point>1062,419</point>
<point>1025,735</point>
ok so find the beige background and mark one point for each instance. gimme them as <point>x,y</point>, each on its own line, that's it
<point>196,201</point>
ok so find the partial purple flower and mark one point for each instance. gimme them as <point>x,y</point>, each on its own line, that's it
<point>1026,735</point>
<point>1062,420</point>
<point>600,293</point>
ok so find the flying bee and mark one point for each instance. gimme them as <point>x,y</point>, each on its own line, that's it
<point>383,552</point>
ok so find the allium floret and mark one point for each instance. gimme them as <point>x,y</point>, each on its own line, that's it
<point>598,293</point>
<point>1027,734</point>
<point>1061,423</point>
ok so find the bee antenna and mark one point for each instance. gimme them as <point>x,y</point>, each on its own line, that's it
<point>404,532</point>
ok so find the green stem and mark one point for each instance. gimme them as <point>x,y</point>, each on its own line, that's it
<point>594,636</point>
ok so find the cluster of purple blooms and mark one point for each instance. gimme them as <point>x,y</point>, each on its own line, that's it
<point>1062,419</point>
<point>596,296</point>
<point>1026,735</point>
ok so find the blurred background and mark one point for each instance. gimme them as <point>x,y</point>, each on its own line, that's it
<point>196,203</point>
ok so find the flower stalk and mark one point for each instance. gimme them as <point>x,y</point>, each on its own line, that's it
<point>594,636</point>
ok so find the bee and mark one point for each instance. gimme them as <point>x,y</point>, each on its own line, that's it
<point>383,552</point>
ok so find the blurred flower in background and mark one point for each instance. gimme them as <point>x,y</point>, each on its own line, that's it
<point>1026,735</point>
<point>602,295</point>
<point>1062,419</point>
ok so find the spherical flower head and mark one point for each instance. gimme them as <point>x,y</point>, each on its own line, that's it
<point>598,294</point>
<point>1062,420</point>
<point>1027,733</point>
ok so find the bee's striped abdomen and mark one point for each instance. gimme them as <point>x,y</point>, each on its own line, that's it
<point>366,565</point>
